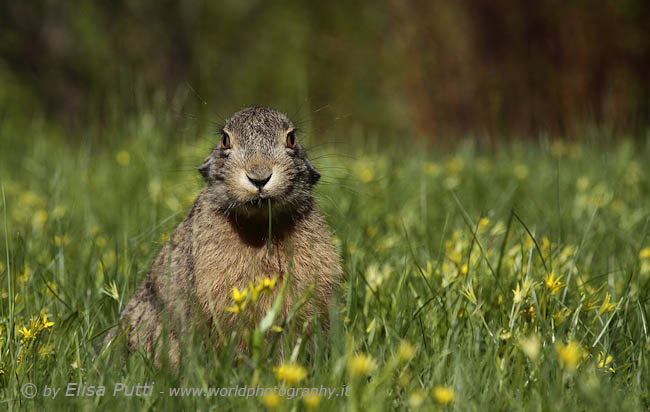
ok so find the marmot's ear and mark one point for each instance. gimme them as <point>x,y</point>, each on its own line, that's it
<point>314,175</point>
<point>205,167</point>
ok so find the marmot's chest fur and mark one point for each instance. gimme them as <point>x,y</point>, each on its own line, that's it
<point>227,256</point>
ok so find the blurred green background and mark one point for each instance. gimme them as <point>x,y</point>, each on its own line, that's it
<point>435,69</point>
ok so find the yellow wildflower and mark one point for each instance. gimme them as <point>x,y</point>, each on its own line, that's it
<point>606,306</point>
<point>123,158</point>
<point>236,308</point>
<point>570,354</point>
<point>271,401</point>
<point>443,395</point>
<point>28,334</point>
<point>464,269</point>
<point>366,175</point>
<point>645,253</point>
<point>61,240</point>
<point>269,284</point>
<point>482,224</point>
<point>311,401</point>
<point>110,289</point>
<point>561,315</point>
<point>44,323</point>
<point>530,346</point>
<point>603,362</point>
<point>552,283</point>
<point>405,351</point>
<point>24,277</point>
<point>39,219</point>
<point>100,241</point>
<point>238,296</point>
<point>361,365</point>
<point>255,290</point>
<point>432,169</point>
<point>521,292</point>
<point>521,171</point>
<point>290,373</point>
<point>416,399</point>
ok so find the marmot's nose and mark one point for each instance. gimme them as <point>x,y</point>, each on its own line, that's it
<point>259,183</point>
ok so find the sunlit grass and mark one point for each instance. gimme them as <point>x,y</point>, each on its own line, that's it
<point>515,279</point>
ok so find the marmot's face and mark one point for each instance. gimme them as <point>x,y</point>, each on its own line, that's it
<point>259,158</point>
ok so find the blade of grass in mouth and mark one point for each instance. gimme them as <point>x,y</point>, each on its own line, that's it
<point>269,202</point>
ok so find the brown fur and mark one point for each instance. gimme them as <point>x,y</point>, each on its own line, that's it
<point>223,242</point>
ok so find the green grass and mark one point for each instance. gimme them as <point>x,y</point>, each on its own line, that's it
<point>433,244</point>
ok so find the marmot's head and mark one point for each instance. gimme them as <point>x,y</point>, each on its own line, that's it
<point>259,158</point>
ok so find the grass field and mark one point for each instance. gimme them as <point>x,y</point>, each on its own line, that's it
<point>515,278</point>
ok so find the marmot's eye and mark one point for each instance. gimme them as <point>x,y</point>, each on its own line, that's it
<point>291,139</point>
<point>225,141</point>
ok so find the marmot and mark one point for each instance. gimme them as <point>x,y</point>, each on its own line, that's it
<point>223,242</point>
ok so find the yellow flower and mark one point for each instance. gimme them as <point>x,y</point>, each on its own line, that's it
<point>405,351</point>
<point>39,219</point>
<point>606,305</point>
<point>464,269</point>
<point>236,308</point>
<point>27,333</point>
<point>311,401</point>
<point>530,346</point>
<point>552,283</point>
<point>100,241</point>
<point>110,289</point>
<point>290,373</point>
<point>443,395</point>
<point>561,315</point>
<point>238,296</point>
<point>645,253</point>
<point>432,169</point>
<point>255,290</point>
<point>416,399</point>
<point>361,365</point>
<point>44,323</point>
<point>123,158</point>
<point>366,175</point>
<point>24,277</point>
<point>482,224</point>
<point>521,171</point>
<point>570,354</point>
<point>61,240</point>
<point>268,284</point>
<point>271,401</point>
<point>521,292</point>
<point>603,362</point>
